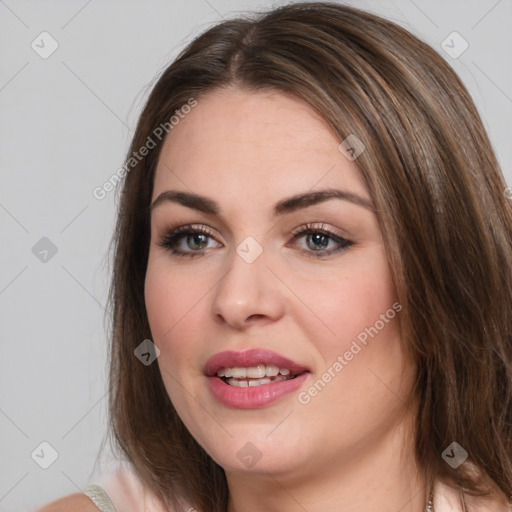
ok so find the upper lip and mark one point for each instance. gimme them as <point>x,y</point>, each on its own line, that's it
<point>247,358</point>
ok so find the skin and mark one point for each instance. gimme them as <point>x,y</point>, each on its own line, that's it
<point>350,448</point>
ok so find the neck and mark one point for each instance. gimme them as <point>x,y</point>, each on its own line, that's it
<point>380,475</point>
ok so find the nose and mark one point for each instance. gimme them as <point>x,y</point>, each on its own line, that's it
<point>247,294</point>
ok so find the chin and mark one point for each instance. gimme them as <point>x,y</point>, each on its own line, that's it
<point>256,449</point>
<point>252,460</point>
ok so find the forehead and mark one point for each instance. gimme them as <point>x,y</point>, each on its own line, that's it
<point>241,142</point>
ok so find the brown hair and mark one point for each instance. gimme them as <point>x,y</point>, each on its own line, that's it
<point>439,196</point>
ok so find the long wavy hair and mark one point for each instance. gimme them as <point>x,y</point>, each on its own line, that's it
<point>442,208</point>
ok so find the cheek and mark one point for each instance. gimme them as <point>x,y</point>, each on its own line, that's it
<point>162,304</point>
<point>172,311</point>
<point>362,357</point>
<point>369,295</point>
<point>351,300</point>
<point>169,294</point>
<point>172,308</point>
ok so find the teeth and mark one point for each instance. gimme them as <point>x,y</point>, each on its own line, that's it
<point>238,373</point>
<point>259,375</point>
<point>253,372</point>
<point>258,382</point>
<point>271,370</point>
<point>239,383</point>
<point>256,372</point>
<point>254,382</point>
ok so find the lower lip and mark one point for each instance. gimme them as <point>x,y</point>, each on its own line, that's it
<point>256,396</point>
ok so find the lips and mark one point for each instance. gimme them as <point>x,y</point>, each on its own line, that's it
<point>229,376</point>
<point>250,358</point>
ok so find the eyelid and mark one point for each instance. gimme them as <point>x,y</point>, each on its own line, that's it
<point>322,226</point>
<point>178,229</point>
<point>171,237</point>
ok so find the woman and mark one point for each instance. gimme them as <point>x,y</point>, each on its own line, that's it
<point>311,293</point>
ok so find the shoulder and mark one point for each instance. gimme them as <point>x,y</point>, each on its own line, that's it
<point>121,488</point>
<point>72,503</point>
<point>128,493</point>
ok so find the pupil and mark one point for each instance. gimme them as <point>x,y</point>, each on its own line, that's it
<point>319,241</point>
<point>196,241</point>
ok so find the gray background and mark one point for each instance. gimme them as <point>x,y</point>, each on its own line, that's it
<point>65,127</point>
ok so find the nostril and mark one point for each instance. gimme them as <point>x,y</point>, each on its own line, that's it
<point>255,317</point>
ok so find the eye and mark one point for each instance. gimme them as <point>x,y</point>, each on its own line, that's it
<point>320,241</point>
<point>188,240</point>
<point>193,240</point>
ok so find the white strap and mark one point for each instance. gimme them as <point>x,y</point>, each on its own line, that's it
<point>100,498</point>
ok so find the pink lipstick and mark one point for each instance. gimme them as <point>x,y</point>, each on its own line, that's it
<point>253,378</point>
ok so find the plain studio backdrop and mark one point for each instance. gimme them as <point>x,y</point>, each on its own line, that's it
<point>73,78</point>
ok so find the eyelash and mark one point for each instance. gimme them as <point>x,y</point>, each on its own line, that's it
<point>170,239</point>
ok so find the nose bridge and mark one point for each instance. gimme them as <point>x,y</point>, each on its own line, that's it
<point>248,290</point>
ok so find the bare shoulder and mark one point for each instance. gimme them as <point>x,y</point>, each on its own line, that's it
<point>72,503</point>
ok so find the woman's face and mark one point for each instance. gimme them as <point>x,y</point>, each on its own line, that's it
<point>279,271</point>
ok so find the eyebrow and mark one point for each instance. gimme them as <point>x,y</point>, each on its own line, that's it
<point>291,204</point>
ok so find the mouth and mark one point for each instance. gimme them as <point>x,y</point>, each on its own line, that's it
<point>253,378</point>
